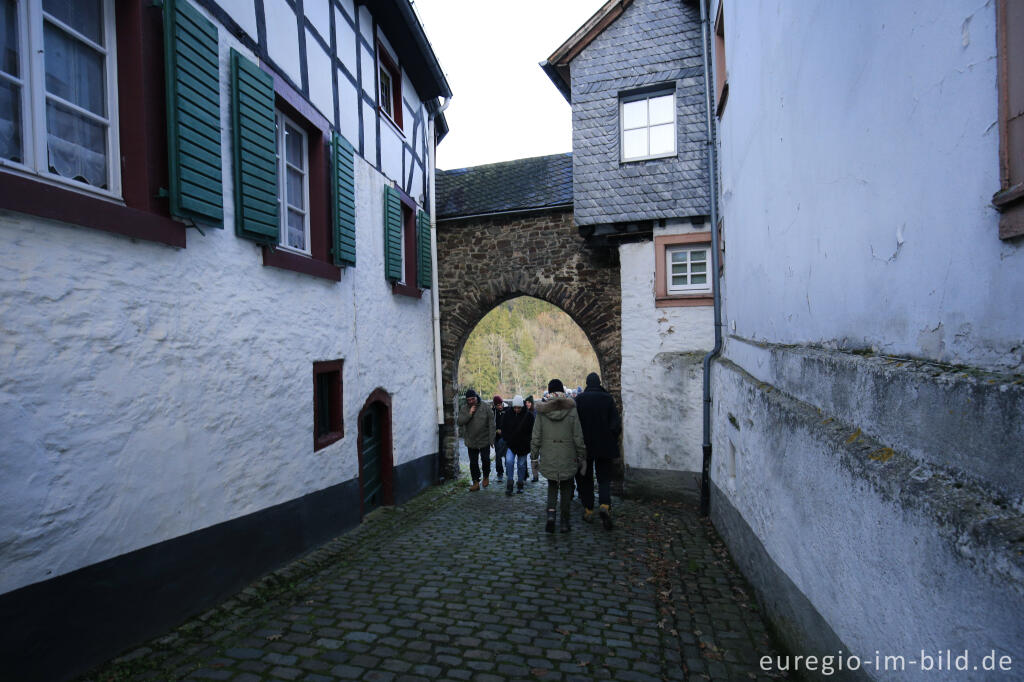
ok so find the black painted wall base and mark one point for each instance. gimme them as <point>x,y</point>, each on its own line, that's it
<point>61,627</point>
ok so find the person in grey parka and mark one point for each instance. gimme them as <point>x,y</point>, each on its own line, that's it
<point>558,441</point>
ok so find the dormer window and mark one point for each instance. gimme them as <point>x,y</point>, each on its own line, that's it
<point>390,79</point>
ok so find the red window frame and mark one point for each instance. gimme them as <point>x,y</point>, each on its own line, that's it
<point>333,372</point>
<point>409,246</point>
<point>142,130</point>
<point>318,131</point>
<point>385,61</point>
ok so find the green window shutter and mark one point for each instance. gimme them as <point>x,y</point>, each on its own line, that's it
<point>255,152</point>
<point>392,234</point>
<point>193,114</point>
<point>423,273</point>
<point>343,201</point>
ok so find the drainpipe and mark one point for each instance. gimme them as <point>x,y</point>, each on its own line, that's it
<point>436,315</point>
<point>705,476</point>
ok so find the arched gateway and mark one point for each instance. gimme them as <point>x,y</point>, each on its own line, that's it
<point>506,230</point>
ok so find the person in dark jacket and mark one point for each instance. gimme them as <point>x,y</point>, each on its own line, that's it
<point>500,445</point>
<point>599,420</point>
<point>528,406</point>
<point>517,427</point>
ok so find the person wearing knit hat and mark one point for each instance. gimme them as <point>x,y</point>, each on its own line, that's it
<point>558,442</point>
<point>500,445</point>
<point>599,420</point>
<point>477,427</point>
<point>517,427</point>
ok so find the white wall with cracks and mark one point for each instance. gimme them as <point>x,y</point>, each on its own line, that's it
<point>856,182</point>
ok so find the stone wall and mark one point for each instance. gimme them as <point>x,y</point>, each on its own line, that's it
<point>483,262</point>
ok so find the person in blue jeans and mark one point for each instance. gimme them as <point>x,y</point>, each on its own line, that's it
<point>500,445</point>
<point>517,429</point>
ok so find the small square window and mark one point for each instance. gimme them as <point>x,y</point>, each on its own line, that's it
<point>687,270</point>
<point>328,424</point>
<point>648,126</point>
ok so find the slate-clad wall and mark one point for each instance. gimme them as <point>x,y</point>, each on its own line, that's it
<point>653,42</point>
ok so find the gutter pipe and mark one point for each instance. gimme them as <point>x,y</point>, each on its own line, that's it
<point>705,476</point>
<point>436,295</point>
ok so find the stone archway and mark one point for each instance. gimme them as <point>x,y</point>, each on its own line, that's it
<point>484,261</point>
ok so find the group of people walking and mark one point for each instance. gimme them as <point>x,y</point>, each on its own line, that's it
<point>568,439</point>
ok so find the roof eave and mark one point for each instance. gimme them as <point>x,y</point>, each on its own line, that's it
<point>560,76</point>
<point>585,35</point>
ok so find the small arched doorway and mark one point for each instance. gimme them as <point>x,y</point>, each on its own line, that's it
<point>376,458</point>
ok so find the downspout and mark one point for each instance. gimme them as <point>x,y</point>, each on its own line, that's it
<point>705,476</point>
<point>436,314</point>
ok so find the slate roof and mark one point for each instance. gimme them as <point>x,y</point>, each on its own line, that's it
<point>524,184</point>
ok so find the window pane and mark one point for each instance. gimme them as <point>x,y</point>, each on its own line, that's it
<point>699,279</point>
<point>661,109</point>
<point>634,143</point>
<point>296,231</point>
<point>8,37</point>
<point>293,147</point>
<point>76,146</point>
<point>385,90</point>
<point>296,196</point>
<point>74,72</point>
<point>634,114</point>
<point>698,267</point>
<point>679,268</point>
<point>85,16</point>
<point>10,122</point>
<point>679,256</point>
<point>678,280</point>
<point>698,255</point>
<point>663,139</point>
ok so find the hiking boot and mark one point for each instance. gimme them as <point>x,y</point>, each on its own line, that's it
<point>606,517</point>
<point>487,481</point>
<point>565,524</point>
<point>588,515</point>
<point>508,489</point>
<point>550,525</point>
<point>519,488</point>
<point>473,488</point>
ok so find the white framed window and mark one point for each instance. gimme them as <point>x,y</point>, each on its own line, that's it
<point>293,184</point>
<point>387,95</point>
<point>686,269</point>
<point>648,126</point>
<point>58,92</point>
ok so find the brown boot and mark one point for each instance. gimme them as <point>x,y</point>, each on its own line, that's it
<point>473,488</point>
<point>487,481</point>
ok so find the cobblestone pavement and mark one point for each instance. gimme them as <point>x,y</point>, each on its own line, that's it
<point>460,585</point>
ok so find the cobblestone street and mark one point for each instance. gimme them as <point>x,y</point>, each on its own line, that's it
<point>462,585</point>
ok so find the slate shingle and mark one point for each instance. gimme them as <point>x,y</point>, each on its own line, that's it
<point>534,183</point>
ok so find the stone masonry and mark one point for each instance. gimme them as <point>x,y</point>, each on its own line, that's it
<point>653,43</point>
<point>485,261</point>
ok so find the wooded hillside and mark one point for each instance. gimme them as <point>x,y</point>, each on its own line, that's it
<point>522,344</point>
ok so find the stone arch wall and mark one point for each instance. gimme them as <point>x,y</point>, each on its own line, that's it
<point>483,262</point>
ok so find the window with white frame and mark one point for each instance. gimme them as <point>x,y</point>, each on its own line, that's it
<point>58,95</point>
<point>648,125</point>
<point>686,269</point>
<point>293,184</point>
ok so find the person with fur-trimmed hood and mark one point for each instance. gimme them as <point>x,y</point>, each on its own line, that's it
<point>477,424</point>
<point>558,441</point>
<point>601,425</point>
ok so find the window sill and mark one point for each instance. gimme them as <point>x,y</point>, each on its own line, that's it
<point>279,258</point>
<point>403,289</point>
<point>640,159</point>
<point>44,200</point>
<point>323,441</point>
<point>684,301</point>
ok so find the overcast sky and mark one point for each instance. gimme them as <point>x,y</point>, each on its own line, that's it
<point>504,106</point>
